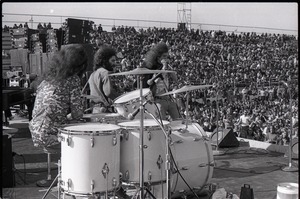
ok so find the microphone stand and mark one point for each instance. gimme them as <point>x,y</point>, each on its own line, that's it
<point>290,168</point>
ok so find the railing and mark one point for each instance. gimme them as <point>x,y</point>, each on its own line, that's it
<point>107,24</point>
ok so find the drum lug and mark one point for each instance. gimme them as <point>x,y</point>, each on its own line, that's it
<point>69,139</point>
<point>149,135</point>
<point>203,165</point>
<point>124,134</point>
<point>184,168</point>
<point>159,161</point>
<point>92,185</point>
<point>114,141</point>
<point>105,170</point>
<point>149,176</point>
<point>69,183</point>
<point>197,139</point>
<point>114,182</point>
<point>92,141</point>
<point>126,177</point>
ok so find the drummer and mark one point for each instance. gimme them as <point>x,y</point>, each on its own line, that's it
<point>156,59</point>
<point>99,81</point>
<point>58,96</point>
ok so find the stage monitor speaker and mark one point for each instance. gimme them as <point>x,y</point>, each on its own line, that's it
<point>7,162</point>
<point>226,138</point>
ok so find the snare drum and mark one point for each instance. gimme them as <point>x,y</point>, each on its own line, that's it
<point>109,118</point>
<point>129,102</point>
<point>154,151</point>
<point>193,157</point>
<point>90,158</point>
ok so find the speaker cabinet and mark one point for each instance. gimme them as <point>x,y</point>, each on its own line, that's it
<point>7,162</point>
<point>224,138</point>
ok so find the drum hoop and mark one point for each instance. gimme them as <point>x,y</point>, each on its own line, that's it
<point>146,128</point>
<point>74,193</point>
<point>89,133</point>
<point>134,99</point>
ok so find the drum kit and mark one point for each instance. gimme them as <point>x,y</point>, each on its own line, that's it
<point>161,159</point>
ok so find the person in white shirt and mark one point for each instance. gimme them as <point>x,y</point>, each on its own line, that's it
<point>244,122</point>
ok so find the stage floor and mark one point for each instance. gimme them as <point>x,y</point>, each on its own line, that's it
<point>257,167</point>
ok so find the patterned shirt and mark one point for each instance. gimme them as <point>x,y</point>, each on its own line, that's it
<point>54,101</point>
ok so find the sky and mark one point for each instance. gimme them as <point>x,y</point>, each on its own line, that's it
<point>267,15</point>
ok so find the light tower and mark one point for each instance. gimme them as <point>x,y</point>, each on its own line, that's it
<point>184,15</point>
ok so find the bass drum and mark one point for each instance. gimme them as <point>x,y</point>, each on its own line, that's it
<point>90,158</point>
<point>192,158</point>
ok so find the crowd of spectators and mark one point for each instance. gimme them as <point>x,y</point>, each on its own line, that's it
<point>246,71</point>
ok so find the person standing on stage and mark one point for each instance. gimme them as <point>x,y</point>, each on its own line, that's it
<point>58,96</point>
<point>156,59</point>
<point>245,121</point>
<point>105,60</point>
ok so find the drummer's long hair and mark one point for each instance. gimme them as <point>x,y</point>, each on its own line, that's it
<point>71,60</point>
<point>151,58</point>
<point>102,56</point>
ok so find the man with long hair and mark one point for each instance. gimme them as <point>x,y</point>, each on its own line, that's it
<point>58,96</point>
<point>156,59</point>
<point>99,81</point>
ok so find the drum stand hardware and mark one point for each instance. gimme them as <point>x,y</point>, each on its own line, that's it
<point>168,159</point>
<point>141,148</point>
<point>52,184</point>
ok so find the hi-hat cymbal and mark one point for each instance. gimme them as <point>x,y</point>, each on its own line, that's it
<point>142,71</point>
<point>185,89</point>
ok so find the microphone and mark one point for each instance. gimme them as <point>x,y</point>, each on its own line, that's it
<point>150,81</point>
<point>132,115</point>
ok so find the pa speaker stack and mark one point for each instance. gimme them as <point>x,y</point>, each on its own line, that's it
<point>78,31</point>
<point>7,162</point>
<point>224,138</point>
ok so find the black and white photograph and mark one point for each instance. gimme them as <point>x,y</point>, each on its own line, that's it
<point>150,100</point>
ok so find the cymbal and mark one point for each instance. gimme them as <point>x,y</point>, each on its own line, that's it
<point>185,89</point>
<point>142,71</point>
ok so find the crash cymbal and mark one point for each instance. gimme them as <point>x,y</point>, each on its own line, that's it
<point>185,89</point>
<point>141,71</point>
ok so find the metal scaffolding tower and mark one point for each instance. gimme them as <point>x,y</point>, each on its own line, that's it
<point>184,14</point>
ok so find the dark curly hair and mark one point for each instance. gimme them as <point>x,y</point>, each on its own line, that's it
<point>71,60</point>
<point>151,58</point>
<point>102,56</point>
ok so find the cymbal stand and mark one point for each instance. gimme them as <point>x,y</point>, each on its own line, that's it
<point>187,114</point>
<point>141,146</point>
<point>168,160</point>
